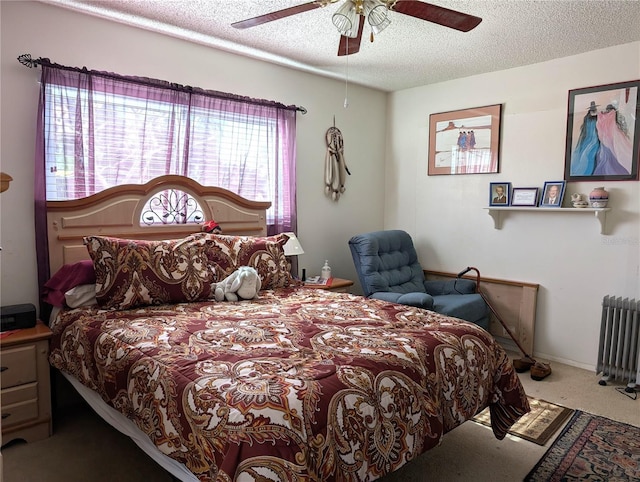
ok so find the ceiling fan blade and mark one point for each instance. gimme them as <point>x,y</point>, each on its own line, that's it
<point>349,46</point>
<point>440,15</point>
<point>278,14</point>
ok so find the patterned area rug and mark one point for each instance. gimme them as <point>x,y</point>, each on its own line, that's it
<point>544,419</point>
<point>591,448</point>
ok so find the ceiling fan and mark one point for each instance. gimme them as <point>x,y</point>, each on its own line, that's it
<point>349,19</point>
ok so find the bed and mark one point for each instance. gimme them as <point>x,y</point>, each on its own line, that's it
<point>298,384</point>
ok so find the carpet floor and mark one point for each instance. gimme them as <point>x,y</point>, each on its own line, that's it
<point>591,448</point>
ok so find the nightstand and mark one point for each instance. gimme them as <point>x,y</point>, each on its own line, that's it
<point>26,384</point>
<point>338,285</point>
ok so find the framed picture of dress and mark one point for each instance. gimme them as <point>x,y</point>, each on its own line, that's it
<point>603,133</point>
<point>465,141</point>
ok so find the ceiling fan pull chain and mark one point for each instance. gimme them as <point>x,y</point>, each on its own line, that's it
<point>346,80</point>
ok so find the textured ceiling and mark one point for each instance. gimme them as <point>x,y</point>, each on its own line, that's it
<point>409,53</point>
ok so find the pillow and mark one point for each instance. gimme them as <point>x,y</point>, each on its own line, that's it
<point>132,273</point>
<point>266,254</point>
<point>67,277</point>
<point>81,295</point>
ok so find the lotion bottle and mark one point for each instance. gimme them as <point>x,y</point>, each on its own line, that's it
<point>326,270</point>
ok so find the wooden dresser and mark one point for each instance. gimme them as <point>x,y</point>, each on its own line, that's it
<point>26,384</point>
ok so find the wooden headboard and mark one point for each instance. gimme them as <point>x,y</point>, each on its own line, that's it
<point>167,207</point>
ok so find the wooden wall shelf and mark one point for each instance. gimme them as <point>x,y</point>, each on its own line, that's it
<point>497,213</point>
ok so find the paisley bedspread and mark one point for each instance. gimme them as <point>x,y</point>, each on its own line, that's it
<point>297,385</point>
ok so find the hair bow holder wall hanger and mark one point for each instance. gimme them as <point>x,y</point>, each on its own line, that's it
<point>335,166</point>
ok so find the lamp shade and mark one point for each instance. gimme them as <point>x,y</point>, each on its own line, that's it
<point>293,246</point>
<point>346,19</point>
<point>378,18</point>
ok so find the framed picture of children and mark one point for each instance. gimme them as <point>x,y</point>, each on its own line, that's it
<point>465,141</point>
<point>552,194</point>
<point>603,133</point>
<point>499,193</point>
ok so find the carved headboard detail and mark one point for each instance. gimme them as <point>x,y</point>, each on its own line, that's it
<point>167,207</point>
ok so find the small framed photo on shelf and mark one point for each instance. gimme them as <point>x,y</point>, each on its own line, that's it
<point>499,193</point>
<point>552,194</point>
<point>525,197</point>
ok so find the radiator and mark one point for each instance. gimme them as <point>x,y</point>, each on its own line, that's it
<point>619,347</point>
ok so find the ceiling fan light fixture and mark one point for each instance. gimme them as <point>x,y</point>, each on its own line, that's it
<point>378,18</point>
<point>349,19</point>
<point>376,29</point>
<point>346,19</point>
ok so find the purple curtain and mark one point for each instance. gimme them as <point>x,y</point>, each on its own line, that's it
<point>42,242</point>
<point>98,129</point>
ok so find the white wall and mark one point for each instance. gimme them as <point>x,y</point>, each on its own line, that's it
<point>573,263</point>
<point>74,39</point>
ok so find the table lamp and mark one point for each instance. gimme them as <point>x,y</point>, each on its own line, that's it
<point>293,248</point>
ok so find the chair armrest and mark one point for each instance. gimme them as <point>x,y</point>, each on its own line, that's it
<point>417,299</point>
<point>386,296</point>
<point>458,286</point>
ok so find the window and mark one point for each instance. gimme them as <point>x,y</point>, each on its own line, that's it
<point>103,130</point>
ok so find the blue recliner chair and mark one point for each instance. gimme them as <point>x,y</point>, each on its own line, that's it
<point>388,269</point>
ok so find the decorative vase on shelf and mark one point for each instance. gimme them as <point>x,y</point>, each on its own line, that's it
<point>599,197</point>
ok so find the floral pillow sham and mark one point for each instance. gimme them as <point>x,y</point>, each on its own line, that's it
<point>131,273</point>
<point>265,254</point>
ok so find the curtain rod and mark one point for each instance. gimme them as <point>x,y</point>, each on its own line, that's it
<point>28,61</point>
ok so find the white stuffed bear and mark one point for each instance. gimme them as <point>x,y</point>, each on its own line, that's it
<point>244,283</point>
